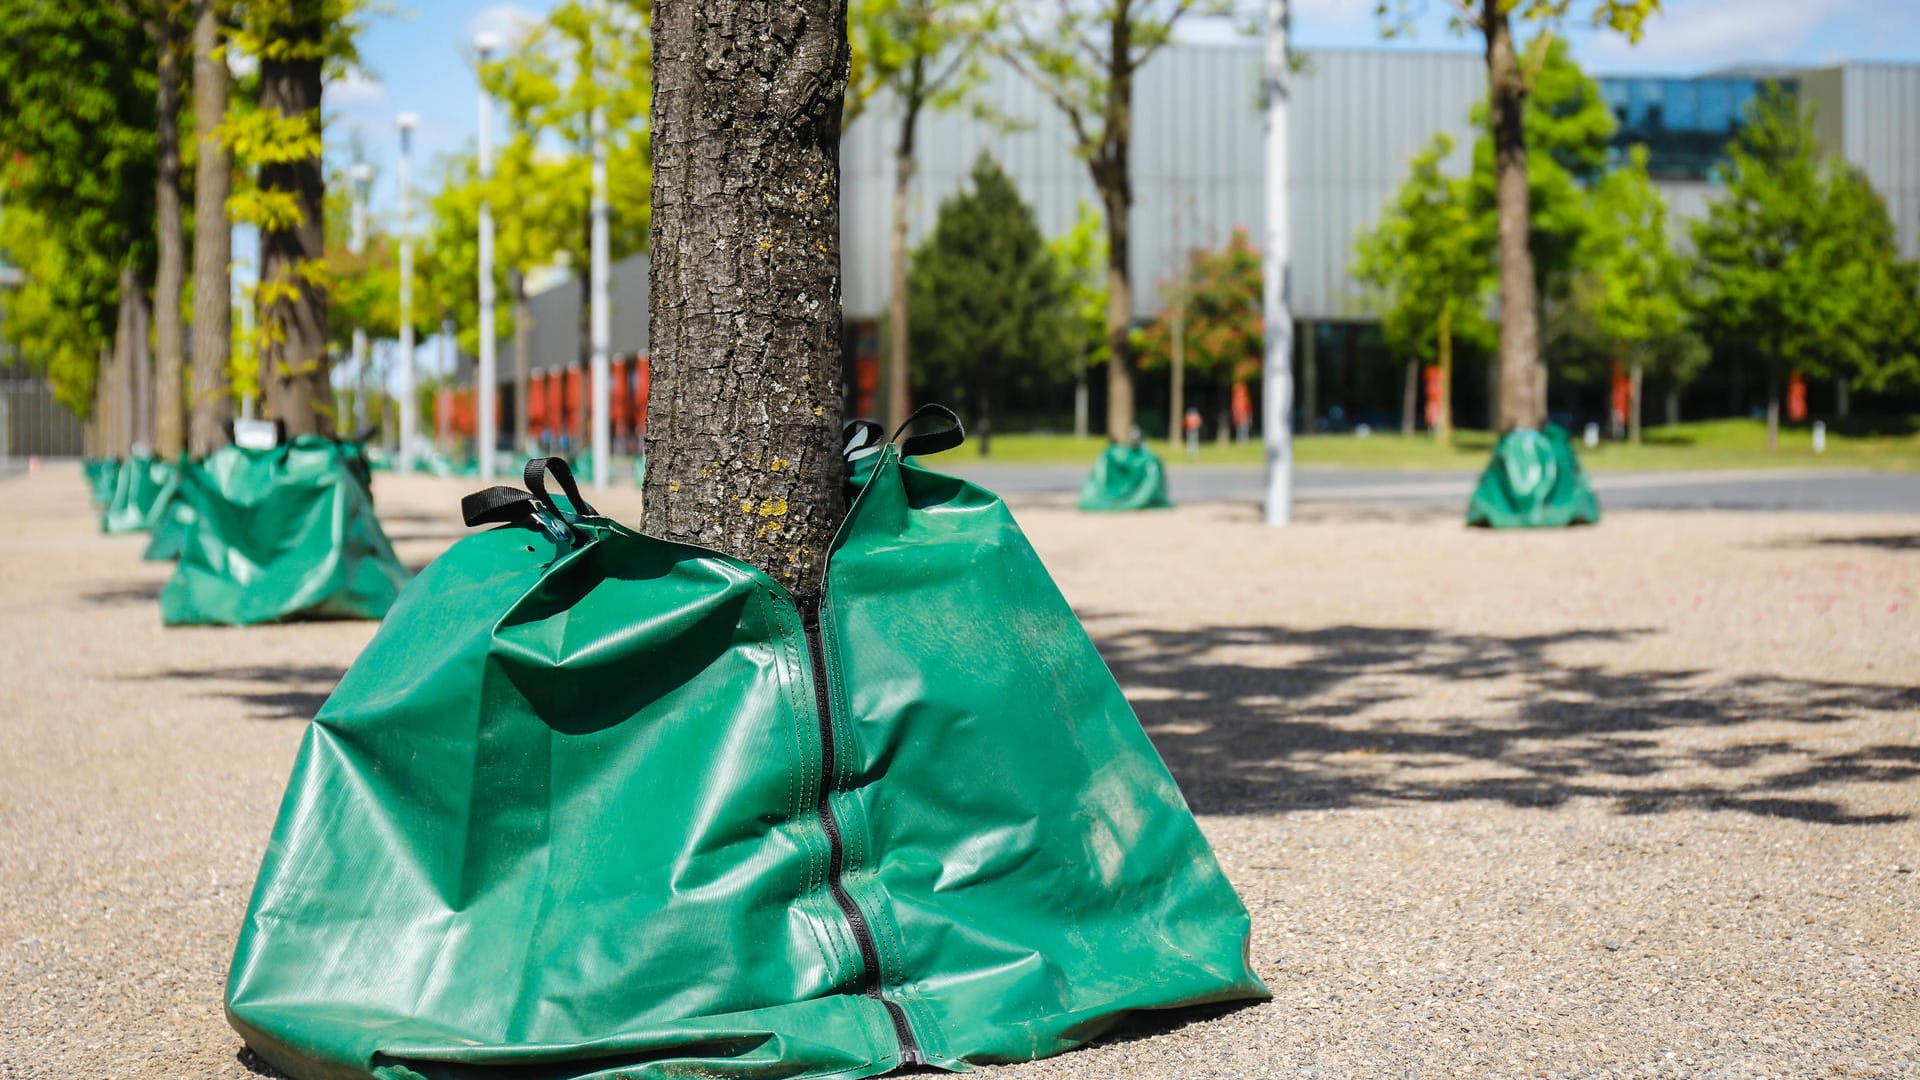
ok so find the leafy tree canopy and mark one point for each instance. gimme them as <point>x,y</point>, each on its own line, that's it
<point>1223,321</point>
<point>1431,254</point>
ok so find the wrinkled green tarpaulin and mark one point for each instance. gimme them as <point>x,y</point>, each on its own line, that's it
<point>593,804</point>
<point>177,519</point>
<point>1126,478</point>
<point>101,474</point>
<point>283,533</point>
<point>1534,480</point>
<point>141,489</point>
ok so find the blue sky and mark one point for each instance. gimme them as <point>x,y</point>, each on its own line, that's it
<point>420,57</point>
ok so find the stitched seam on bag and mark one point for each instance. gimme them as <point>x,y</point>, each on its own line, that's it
<point>815,876</point>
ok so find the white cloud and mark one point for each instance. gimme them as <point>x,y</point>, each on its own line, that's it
<point>356,89</point>
<point>510,21</point>
<point>1698,35</point>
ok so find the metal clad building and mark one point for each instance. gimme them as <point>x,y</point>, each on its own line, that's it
<point>1870,115</point>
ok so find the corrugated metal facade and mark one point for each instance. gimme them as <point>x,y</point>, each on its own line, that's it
<point>1880,109</point>
<point>1358,116</point>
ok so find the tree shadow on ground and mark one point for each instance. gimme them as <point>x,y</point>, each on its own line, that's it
<point>1256,719</point>
<point>125,594</point>
<point>269,691</point>
<point>1882,541</point>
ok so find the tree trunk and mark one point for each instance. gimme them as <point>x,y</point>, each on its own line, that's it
<point>293,308</point>
<point>117,375</point>
<point>982,431</point>
<point>1443,428</point>
<point>1773,396</point>
<point>138,328</point>
<point>899,386</point>
<point>1842,397</point>
<point>1309,378</point>
<point>1410,398</point>
<point>1673,407</point>
<point>1079,381</point>
<point>522,363</point>
<point>1520,403</point>
<point>1636,384</point>
<point>1111,176</point>
<point>169,420</point>
<point>743,434</point>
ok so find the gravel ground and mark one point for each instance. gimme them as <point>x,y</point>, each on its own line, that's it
<point>1637,800</point>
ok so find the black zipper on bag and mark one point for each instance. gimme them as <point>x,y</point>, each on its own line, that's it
<point>809,605</point>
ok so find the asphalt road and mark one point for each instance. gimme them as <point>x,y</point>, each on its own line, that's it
<point>1798,490</point>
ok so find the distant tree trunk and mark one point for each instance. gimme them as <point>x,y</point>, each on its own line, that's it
<point>1112,177</point>
<point>1521,403</point>
<point>1842,397</point>
<point>522,362</point>
<point>1177,375</point>
<point>1636,384</point>
<point>294,305</point>
<point>212,240</point>
<point>1410,397</point>
<point>982,430</point>
<point>1673,406</point>
<point>899,383</point>
<point>1443,428</point>
<point>169,419</point>
<point>136,327</point>
<point>743,431</point>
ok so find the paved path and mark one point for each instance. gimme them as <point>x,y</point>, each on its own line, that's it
<point>1641,800</point>
<point>1823,490</point>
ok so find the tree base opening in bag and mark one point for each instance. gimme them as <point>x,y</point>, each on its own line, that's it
<point>282,533</point>
<point>1533,481</point>
<point>595,804</point>
<point>1127,477</point>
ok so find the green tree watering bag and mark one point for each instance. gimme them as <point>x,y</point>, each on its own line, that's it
<point>1533,481</point>
<point>594,804</point>
<point>1127,477</point>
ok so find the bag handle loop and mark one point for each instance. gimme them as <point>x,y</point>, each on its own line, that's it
<point>931,442</point>
<point>535,477</point>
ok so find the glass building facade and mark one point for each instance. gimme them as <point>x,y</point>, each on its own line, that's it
<point>1685,124</point>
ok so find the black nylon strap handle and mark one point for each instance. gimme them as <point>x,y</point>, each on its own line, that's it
<point>932,442</point>
<point>860,435</point>
<point>535,478</point>
<point>497,504</point>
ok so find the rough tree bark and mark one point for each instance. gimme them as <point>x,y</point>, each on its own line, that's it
<point>212,240</point>
<point>1520,403</point>
<point>899,388</point>
<point>294,306</point>
<point>169,407</point>
<point>136,357</point>
<point>743,436</point>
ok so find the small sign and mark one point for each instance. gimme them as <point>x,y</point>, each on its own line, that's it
<point>256,434</point>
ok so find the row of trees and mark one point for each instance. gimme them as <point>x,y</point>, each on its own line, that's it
<point>1794,266</point>
<point>115,119</point>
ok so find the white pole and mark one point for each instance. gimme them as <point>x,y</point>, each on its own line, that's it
<point>409,406</point>
<point>601,388</point>
<point>484,385</point>
<point>1277,278</point>
<point>361,174</point>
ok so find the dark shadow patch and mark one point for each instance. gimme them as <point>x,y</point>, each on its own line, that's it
<point>1245,735</point>
<point>125,594</point>
<point>269,691</point>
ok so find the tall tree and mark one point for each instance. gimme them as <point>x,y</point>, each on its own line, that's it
<point>212,397</point>
<point>1773,252</point>
<point>1084,58</point>
<point>165,23</point>
<point>991,310</point>
<point>1427,267</point>
<point>743,440</point>
<point>77,133</point>
<point>1509,81</point>
<point>1639,297</point>
<point>924,56</point>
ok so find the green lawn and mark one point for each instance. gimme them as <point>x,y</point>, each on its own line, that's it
<point>1711,444</point>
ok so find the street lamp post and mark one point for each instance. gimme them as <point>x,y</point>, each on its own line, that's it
<point>485,385</point>
<point>409,405</point>
<point>361,174</point>
<point>1277,277</point>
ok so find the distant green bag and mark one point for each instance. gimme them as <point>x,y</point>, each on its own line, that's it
<point>177,519</point>
<point>101,474</point>
<point>593,804</point>
<point>141,490</point>
<point>1126,478</point>
<point>1534,480</point>
<point>283,533</point>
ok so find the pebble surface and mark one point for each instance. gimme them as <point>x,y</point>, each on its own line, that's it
<point>1640,800</point>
